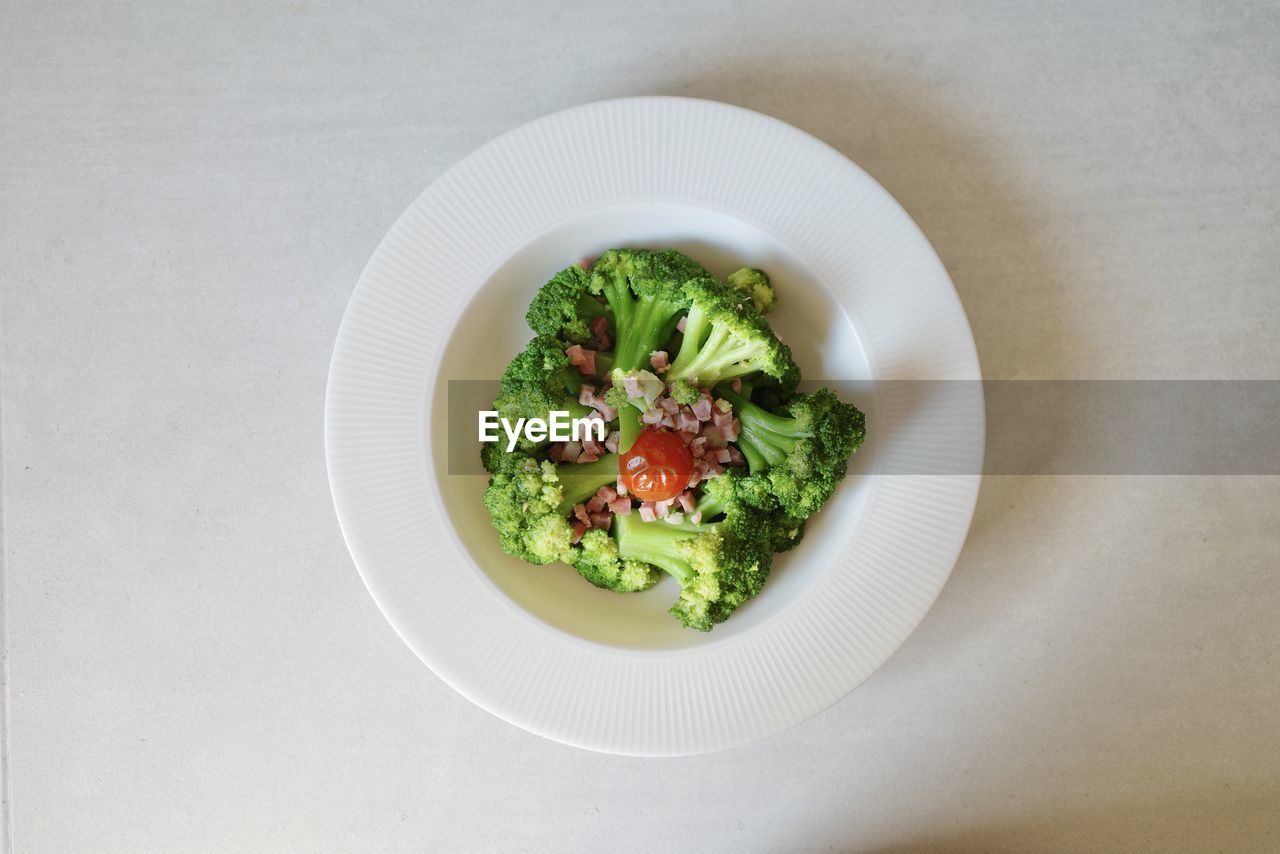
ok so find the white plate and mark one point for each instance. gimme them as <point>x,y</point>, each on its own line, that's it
<point>862,298</point>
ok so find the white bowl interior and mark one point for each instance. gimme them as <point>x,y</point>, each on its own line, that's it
<point>491,329</point>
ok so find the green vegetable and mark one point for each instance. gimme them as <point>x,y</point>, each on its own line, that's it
<point>539,380</point>
<point>523,500</point>
<point>645,293</point>
<point>564,307</point>
<point>736,487</point>
<point>719,565</point>
<point>725,337</point>
<point>804,455</point>
<point>529,502</point>
<point>796,447</point>
<point>754,284</point>
<point>580,481</point>
<point>597,560</point>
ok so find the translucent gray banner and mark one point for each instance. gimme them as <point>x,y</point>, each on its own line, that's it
<point>1068,427</point>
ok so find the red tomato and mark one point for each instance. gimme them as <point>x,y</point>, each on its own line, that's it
<point>657,467</point>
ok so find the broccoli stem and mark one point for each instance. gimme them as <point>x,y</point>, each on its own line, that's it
<point>579,481</point>
<point>711,353</point>
<point>655,543</point>
<point>765,438</point>
<point>629,428</point>
<point>642,324</point>
<point>589,308</point>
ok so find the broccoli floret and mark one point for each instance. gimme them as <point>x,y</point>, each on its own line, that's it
<point>539,380</point>
<point>725,337</point>
<point>529,502</point>
<point>597,561</point>
<point>644,293</point>
<point>564,307</point>
<point>684,392</point>
<point>719,565</point>
<point>755,284</point>
<point>523,500</point>
<point>736,486</point>
<point>803,455</point>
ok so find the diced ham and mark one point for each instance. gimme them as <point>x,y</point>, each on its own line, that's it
<point>722,419</point>
<point>713,470</point>
<point>735,456</point>
<point>696,517</point>
<point>584,263</point>
<point>611,442</point>
<point>688,422</point>
<point>588,457</point>
<point>686,437</point>
<point>607,493</point>
<point>555,452</point>
<point>652,416</point>
<point>668,420</point>
<point>695,478</point>
<point>731,432</point>
<point>662,508</point>
<point>702,408</point>
<point>586,394</point>
<point>588,366</point>
<point>723,455</point>
<point>601,520</point>
<point>680,325</point>
<point>622,488</point>
<point>686,501</point>
<point>578,530</point>
<point>595,504</point>
<point>570,451</point>
<point>631,386</point>
<point>591,446</point>
<point>580,513</point>
<point>736,384</point>
<point>714,436</point>
<point>576,355</point>
<point>658,360</point>
<point>600,333</point>
<point>607,412</point>
<point>669,404</point>
<point>647,513</point>
<point>621,505</point>
<point>698,446</point>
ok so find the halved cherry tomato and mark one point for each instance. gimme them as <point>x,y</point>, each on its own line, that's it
<point>657,467</point>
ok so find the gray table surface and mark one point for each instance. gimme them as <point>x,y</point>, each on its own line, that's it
<point>189,191</point>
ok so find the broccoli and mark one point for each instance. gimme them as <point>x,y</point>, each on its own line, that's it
<point>755,284</point>
<point>529,502</point>
<point>597,560</point>
<point>803,455</point>
<point>645,294</point>
<point>719,565</point>
<point>684,392</point>
<point>726,338</point>
<point>539,380</point>
<point>523,501</point>
<point>580,481</point>
<point>564,307</point>
<point>737,487</point>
